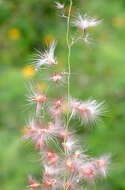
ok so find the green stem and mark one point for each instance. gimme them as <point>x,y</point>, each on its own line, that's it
<point>69,55</point>
<point>68,80</point>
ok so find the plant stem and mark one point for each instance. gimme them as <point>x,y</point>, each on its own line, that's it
<point>69,50</point>
<point>68,79</point>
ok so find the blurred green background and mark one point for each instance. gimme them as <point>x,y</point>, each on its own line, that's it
<point>98,71</point>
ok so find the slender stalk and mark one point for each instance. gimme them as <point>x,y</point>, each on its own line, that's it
<point>69,50</point>
<point>68,79</point>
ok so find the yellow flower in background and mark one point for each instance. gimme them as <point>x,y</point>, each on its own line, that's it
<point>48,39</point>
<point>24,130</point>
<point>41,86</point>
<point>14,33</point>
<point>28,71</point>
<point>118,22</point>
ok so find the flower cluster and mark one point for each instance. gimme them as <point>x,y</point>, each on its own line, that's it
<point>71,159</point>
<point>67,166</point>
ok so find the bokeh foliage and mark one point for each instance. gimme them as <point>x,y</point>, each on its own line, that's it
<point>98,71</point>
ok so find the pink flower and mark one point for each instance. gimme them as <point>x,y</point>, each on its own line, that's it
<point>40,133</point>
<point>102,164</point>
<point>52,157</point>
<point>57,108</point>
<point>89,110</point>
<point>71,165</point>
<point>37,97</point>
<point>33,183</point>
<point>40,144</point>
<point>49,182</point>
<point>88,172</point>
<point>56,77</point>
<point>31,132</point>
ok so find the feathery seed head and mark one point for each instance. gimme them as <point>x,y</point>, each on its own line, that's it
<point>88,172</point>
<point>69,145</point>
<point>102,164</point>
<point>36,96</point>
<point>57,107</point>
<point>46,58</point>
<point>56,77</point>
<point>59,5</point>
<point>85,22</point>
<point>90,110</point>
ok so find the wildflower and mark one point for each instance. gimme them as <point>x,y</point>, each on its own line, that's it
<point>33,183</point>
<point>57,107</point>
<point>24,130</point>
<point>102,165</point>
<point>46,58</point>
<point>14,33</point>
<point>51,157</point>
<point>31,130</point>
<point>36,96</point>
<point>59,5</point>
<point>88,172</point>
<point>88,111</point>
<point>53,128</point>
<point>63,171</point>
<point>79,155</point>
<point>28,71</point>
<point>49,182</point>
<point>40,133</point>
<point>74,104</point>
<point>70,165</point>
<point>56,77</point>
<point>40,143</point>
<point>85,22</point>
